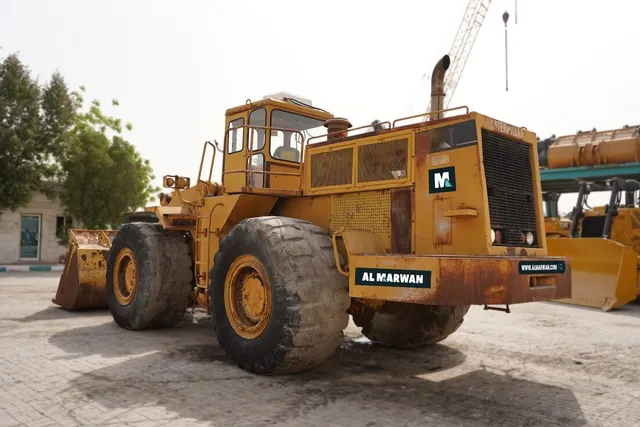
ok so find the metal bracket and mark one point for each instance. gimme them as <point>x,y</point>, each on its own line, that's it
<point>506,310</point>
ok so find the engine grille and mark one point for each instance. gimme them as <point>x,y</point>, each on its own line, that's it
<point>509,179</point>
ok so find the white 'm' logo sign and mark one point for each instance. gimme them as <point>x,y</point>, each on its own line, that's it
<point>442,180</point>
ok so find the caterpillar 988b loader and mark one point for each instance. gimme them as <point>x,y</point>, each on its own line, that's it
<point>403,226</point>
<point>602,242</point>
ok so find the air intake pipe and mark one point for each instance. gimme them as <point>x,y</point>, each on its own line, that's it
<point>437,87</point>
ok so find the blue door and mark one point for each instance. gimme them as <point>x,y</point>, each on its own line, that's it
<point>30,237</point>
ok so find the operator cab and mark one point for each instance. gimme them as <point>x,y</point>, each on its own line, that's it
<point>265,141</point>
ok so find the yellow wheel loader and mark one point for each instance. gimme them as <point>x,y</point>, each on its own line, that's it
<point>402,225</point>
<point>603,243</point>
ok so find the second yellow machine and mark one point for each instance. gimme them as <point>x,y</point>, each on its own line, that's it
<point>403,226</point>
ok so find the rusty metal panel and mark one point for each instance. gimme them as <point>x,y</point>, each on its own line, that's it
<point>442,225</point>
<point>423,142</point>
<point>363,242</point>
<point>455,280</point>
<point>332,168</point>
<point>83,282</point>
<point>369,210</point>
<point>401,220</point>
<point>383,161</point>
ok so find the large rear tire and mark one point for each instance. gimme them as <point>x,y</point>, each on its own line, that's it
<point>149,277</point>
<point>403,325</point>
<point>278,303</point>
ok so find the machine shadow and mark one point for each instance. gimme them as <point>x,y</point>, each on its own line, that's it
<point>631,309</point>
<point>59,313</point>
<point>110,340</point>
<point>197,380</point>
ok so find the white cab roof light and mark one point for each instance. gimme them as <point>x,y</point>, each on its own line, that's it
<point>280,96</point>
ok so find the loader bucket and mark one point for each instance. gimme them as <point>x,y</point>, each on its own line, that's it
<point>603,272</point>
<point>83,281</point>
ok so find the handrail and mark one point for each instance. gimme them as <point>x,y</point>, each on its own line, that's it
<point>262,172</point>
<point>348,130</point>
<point>430,113</point>
<point>336,255</point>
<point>204,151</point>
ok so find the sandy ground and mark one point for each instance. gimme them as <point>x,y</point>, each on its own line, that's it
<point>544,364</point>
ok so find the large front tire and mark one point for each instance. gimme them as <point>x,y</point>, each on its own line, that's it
<point>278,303</point>
<point>403,325</point>
<point>149,277</point>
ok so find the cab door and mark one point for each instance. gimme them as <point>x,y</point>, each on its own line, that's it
<point>235,159</point>
<point>256,140</point>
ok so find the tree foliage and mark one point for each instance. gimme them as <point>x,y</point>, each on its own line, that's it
<point>49,140</point>
<point>104,176</point>
<point>24,154</point>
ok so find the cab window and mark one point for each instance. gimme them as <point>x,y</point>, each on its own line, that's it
<point>286,145</point>
<point>234,136</point>
<point>257,118</point>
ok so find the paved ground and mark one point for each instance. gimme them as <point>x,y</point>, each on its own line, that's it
<point>544,364</point>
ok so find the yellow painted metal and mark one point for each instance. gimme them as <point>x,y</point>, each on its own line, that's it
<point>363,211</point>
<point>217,216</point>
<point>83,281</point>
<point>247,297</point>
<point>557,227</point>
<point>125,276</point>
<point>348,242</point>
<point>280,177</point>
<point>353,149</point>
<point>592,148</point>
<point>604,272</point>
<point>455,280</point>
<point>315,209</point>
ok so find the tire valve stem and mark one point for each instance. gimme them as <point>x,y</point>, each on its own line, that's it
<point>506,310</point>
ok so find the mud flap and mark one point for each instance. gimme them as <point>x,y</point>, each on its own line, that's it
<point>604,272</point>
<point>83,281</point>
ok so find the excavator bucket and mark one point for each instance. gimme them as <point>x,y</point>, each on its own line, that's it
<point>603,272</point>
<point>83,281</point>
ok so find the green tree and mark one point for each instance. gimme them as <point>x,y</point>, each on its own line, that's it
<point>24,155</point>
<point>34,124</point>
<point>103,175</point>
<point>48,139</point>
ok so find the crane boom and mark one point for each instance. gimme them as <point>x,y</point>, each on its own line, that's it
<point>462,44</point>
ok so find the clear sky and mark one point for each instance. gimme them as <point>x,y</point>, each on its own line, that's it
<point>176,66</point>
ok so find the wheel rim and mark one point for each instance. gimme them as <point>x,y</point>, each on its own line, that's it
<point>247,297</point>
<point>125,276</point>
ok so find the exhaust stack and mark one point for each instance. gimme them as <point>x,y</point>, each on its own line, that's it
<point>437,87</point>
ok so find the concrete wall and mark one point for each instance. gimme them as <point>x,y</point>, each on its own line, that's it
<point>48,210</point>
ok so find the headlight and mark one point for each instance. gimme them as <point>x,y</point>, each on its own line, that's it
<point>493,236</point>
<point>529,237</point>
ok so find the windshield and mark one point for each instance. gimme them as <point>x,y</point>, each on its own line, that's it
<point>288,145</point>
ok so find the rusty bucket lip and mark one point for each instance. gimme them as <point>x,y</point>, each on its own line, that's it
<point>72,292</point>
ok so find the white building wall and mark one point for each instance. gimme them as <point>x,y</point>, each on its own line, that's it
<point>48,210</point>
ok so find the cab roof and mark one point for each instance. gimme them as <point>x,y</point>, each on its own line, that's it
<point>294,106</point>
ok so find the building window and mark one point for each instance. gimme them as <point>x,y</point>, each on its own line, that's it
<point>62,223</point>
